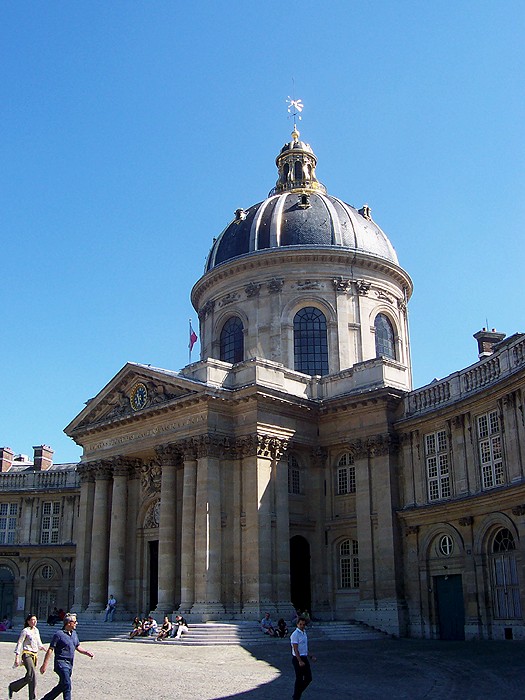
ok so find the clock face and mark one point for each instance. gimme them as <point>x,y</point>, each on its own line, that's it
<point>139,397</point>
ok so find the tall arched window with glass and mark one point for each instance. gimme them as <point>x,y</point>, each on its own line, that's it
<point>294,475</point>
<point>310,341</point>
<point>507,604</point>
<point>232,341</point>
<point>385,340</point>
<point>349,564</point>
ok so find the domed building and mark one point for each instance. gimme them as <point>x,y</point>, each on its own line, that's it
<point>293,464</point>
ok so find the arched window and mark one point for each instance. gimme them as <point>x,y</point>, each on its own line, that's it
<point>294,475</point>
<point>349,564</point>
<point>232,341</point>
<point>298,170</point>
<point>505,576</point>
<point>310,341</point>
<point>346,475</point>
<point>385,346</point>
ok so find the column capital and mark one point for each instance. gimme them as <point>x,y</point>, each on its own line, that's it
<point>261,446</point>
<point>211,445</point>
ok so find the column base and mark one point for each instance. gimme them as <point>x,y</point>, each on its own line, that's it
<point>208,611</point>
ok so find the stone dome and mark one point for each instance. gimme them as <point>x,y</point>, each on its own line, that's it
<point>298,212</point>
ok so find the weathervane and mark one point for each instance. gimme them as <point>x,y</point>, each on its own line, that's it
<point>295,106</point>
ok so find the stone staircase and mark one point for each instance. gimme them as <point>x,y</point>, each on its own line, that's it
<point>209,633</point>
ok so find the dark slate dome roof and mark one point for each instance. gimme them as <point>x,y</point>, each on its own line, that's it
<point>298,212</point>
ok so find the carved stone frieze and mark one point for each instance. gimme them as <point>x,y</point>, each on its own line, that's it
<point>402,305</point>
<point>150,478</point>
<point>319,456</point>
<point>466,521</point>
<point>206,309</point>
<point>342,285</point>
<point>229,298</point>
<point>385,296</point>
<point>519,510</point>
<point>307,285</point>
<point>275,285</point>
<point>411,530</point>
<point>252,290</point>
<point>374,446</point>
<point>362,287</point>
<point>152,518</point>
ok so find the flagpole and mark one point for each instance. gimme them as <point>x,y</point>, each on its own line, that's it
<point>189,345</point>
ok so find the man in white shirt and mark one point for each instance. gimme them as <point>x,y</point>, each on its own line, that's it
<point>303,673</point>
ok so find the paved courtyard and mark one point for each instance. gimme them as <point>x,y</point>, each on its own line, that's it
<point>373,670</point>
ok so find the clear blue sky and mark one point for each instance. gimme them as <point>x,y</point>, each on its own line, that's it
<point>131,131</point>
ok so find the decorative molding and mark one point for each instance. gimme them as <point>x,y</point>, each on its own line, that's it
<point>381,294</point>
<point>319,455</point>
<point>411,530</point>
<point>519,510</point>
<point>152,518</point>
<point>342,285</point>
<point>402,305</point>
<point>275,285</point>
<point>308,285</point>
<point>466,521</point>
<point>362,287</point>
<point>150,478</point>
<point>252,290</point>
<point>207,309</point>
<point>229,298</point>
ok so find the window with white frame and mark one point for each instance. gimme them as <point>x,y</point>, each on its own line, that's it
<point>50,530</point>
<point>437,463</point>
<point>8,520</point>
<point>490,454</point>
<point>294,475</point>
<point>349,564</point>
<point>346,475</point>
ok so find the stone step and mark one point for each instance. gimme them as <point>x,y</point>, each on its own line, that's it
<point>210,633</point>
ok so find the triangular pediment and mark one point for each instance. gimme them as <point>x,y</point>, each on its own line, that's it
<point>134,391</point>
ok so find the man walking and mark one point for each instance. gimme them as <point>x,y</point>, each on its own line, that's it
<point>64,644</point>
<point>303,673</point>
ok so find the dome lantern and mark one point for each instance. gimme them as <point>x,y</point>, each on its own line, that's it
<point>296,165</point>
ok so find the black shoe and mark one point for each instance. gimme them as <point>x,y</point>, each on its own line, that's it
<point>9,691</point>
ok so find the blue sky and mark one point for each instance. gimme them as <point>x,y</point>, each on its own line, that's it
<point>131,131</point>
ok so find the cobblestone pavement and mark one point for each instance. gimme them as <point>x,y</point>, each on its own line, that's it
<point>359,670</point>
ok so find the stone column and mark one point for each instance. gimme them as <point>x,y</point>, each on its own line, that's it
<point>282,529</point>
<point>250,530</point>
<point>208,535</point>
<point>83,538</point>
<point>117,541</point>
<point>188,546</point>
<point>167,457</point>
<point>132,577</point>
<point>98,573</point>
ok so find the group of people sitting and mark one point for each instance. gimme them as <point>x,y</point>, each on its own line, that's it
<point>269,627</point>
<point>56,616</point>
<point>280,629</point>
<point>148,627</point>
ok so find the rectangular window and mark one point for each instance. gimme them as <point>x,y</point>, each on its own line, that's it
<point>294,480</point>
<point>345,480</point>
<point>50,522</point>
<point>437,461</point>
<point>490,452</point>
<point>8,521</point>
<point>349,564</point>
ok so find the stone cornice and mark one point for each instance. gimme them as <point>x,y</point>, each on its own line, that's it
<point>276,258</point>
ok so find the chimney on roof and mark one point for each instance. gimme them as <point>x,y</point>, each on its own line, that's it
<point>6,458</point>
<point>486,341</point>
<point>43,457</point>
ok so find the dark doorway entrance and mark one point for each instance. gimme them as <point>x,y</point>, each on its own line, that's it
<point>450,606</point>
<point>300,573</point>
<point>153,573</point>
<point>7,588</point>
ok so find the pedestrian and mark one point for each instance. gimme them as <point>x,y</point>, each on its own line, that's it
<point>303,673</point>
<point>64,644</point>
<point>26,653</point>
<point>110,608</point>
<point>181,625</point>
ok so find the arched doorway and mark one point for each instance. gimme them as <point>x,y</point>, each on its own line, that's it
<point>300,591</point>
<point>7,587</point>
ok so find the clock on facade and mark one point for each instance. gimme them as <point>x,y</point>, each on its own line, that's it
<point>138,397</point>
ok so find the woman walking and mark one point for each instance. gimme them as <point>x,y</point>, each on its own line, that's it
<point>26,653</point>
